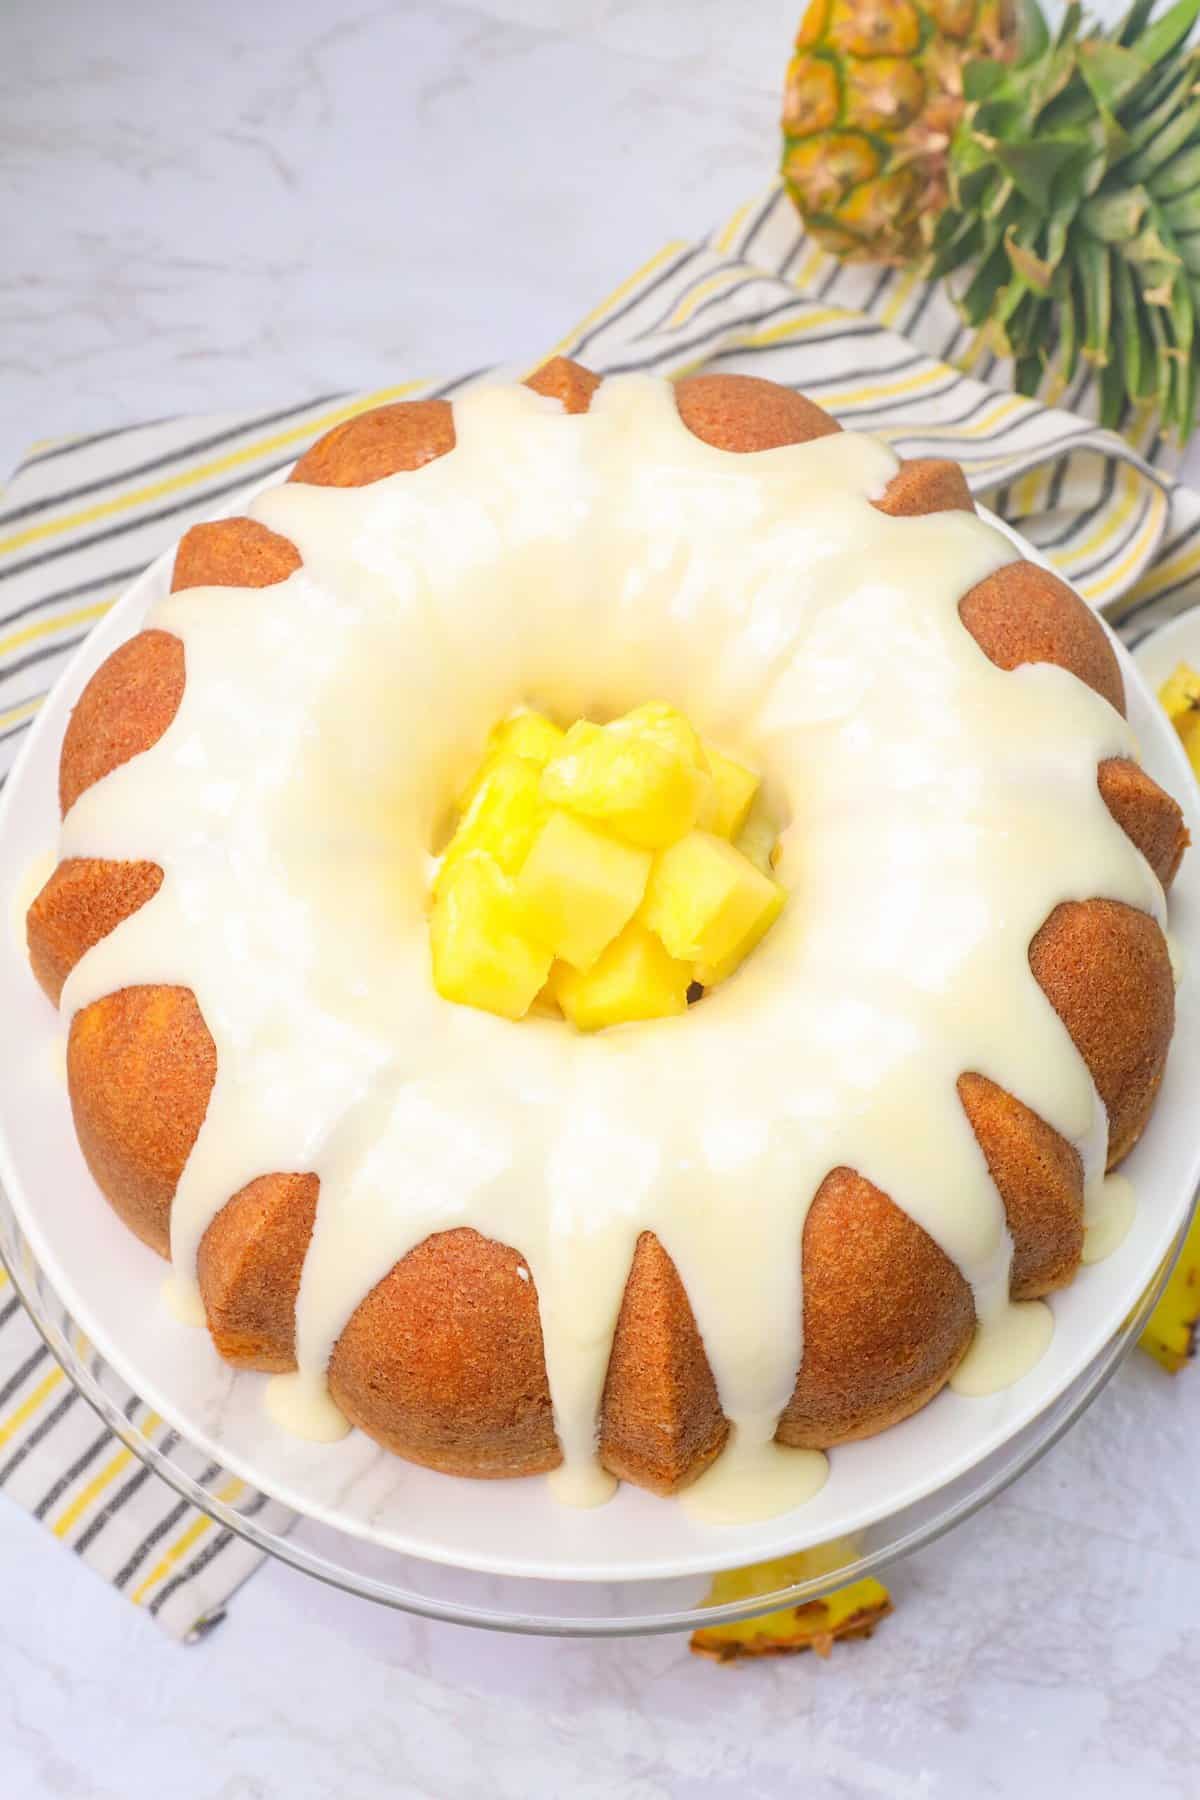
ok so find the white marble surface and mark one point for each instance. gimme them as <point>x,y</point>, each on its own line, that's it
<point>1052,1644</point>
<point>246,202</point>
<point>250,202</point>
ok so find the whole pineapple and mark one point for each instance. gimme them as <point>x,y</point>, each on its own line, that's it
<point>1058,171</point>
<point>873,95</point>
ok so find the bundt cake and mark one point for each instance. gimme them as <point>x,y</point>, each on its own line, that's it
<point>775,1222</point>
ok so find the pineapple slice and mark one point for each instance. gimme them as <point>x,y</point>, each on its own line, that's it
<point>1180,693</point>
<point>627,782</point>
<point>578,888</point>
<point>849,1612</point>
<point>1170,1333</point>
<point>480,955</point>
<point>1180,696</point>
<point>634,978</point>
<point>709,904</point>
<point>735,787</point>
<point>505,815</point>
<point>1187,725</point>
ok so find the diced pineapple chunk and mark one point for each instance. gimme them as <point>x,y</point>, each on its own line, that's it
<point>1180,693</point>
<point>710,974</point>
<point>629,784</point>
<point>709,904</point>
<point>578,888</point>
<point>545,1004</point>
<point>480,956</point>
<point>665,726</point>
<point>504,817</point>
<point>735,787</point>
<point>530,735</point>
<point>565,836</point>
<point>634,978</point>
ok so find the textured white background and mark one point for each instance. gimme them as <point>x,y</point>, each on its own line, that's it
<point>235,204</point>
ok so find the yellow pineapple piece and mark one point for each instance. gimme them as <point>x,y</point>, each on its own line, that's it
<point>1187,725</point>
<point>578,888</point>
<point>565,835</point>
<point>1170,1333</point>
<point>1180,693</point>
<point>849,1612</point>
<point>712,974</point>
<point>530,735</point>
<point>504,816</point>
<point>665,726</point>
<point>735,787</point>
<point>634,978</point>
<point>1180,696</point>
<point>545,1005</point>
<point>629,783</point>
<point>709,904</point>
<point>480,956</point>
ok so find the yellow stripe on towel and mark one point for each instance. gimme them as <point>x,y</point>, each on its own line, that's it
<point>183,1543</point>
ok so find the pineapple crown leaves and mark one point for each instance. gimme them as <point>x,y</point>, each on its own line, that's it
<point>1074,206</point>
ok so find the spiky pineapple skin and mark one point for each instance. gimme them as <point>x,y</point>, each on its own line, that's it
<point>873,95</point>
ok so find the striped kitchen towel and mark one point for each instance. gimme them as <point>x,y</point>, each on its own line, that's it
<point>88,1483</point>
<point>83,516</point>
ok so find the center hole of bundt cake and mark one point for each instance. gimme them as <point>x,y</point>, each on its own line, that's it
<point>603,873</point>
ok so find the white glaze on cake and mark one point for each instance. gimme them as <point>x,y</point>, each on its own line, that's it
<point>1107,1217</point>
<point>936,811</point>
<point>29,883</point>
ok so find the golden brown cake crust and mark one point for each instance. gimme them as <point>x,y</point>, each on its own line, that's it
<point>81,903</point>
<point>140,1068</point>
<point>1024,614</point>
<point>927,484</point>
<point>379,443</point>
<point>233,553</point>
<point>135,693</point>
<point>742,413</point>
<point>443,1361</point>
<point>249,1266</point>
<point>124,709</point>
<point>1040,1178</point>
<point>887,1317</point>
<point>661,1418</point>
<point>570,382</point>
<point>1105,969</point>
<point>1146,813</point>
